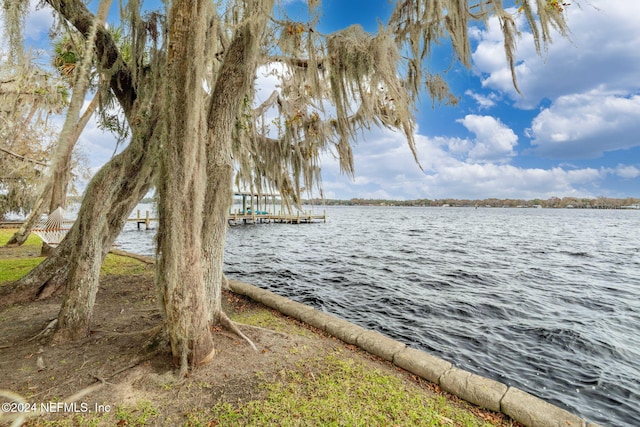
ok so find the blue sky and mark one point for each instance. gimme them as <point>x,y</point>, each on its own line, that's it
<point>574,131</point>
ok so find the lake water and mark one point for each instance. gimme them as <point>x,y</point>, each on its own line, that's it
<point>545,300</point>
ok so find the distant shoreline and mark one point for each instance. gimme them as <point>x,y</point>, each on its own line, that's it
<point>553,203</point>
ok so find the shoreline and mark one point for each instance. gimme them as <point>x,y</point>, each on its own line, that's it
<point>519,405</point>
<point>486,393</point>
<point>300,373</point>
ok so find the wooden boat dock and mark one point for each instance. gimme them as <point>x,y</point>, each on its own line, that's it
<point>255,209</point>
<point>265,218</point>
<point>247,217</point>
<point>146,220</point>
<point>252,208</point>
<point>236,218</point>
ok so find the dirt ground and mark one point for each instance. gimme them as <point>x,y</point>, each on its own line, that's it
<point>122,361</point>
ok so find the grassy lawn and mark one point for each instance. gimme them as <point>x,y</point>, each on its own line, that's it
<point>341,392</point>
<point>14,268</point>
<point>26,258</point>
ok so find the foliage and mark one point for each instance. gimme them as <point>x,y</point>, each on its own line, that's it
<point>29,97</point>
<point>332,86</point>
<point>32,96</point>
<point>15,12</point>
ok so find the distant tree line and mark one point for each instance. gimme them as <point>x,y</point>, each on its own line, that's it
<point>554,202</point>
<point>600,202</point>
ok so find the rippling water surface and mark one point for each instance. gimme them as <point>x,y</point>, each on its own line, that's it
<point>544,300</point>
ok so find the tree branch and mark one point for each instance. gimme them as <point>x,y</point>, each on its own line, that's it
<point>297,62</point>
<point>23,158</point>
<point>109,58</point>
<point>273,99</point>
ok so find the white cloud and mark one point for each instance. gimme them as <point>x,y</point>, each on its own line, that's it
<point>602,52</point>
<point>457,147</point>
<point>506,181</point>
<point>588,83</point>
<point>484,101</point>
<point>494,141</point>
<point>390,170</point>
<point>587,125</point>
<point>39,21</point>
<point>99,145</point>
<point>627,172</point>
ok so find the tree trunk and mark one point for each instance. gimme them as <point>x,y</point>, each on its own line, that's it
<point>62,171</point>
<point>109,199</point>
<point>111,195</point>
<point>218,199</point>
<point>232,85</point>
<point>182,186</point>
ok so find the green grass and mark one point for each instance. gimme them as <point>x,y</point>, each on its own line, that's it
<point>32,242</point>
<point>263,318</point>
<point>332,390</point>
<point>115,264</point>
<point>342,393</point>
<point>12,269</point>
<point>144,413</point>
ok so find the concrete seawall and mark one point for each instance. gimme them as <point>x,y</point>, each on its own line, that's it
<point>517,404</point>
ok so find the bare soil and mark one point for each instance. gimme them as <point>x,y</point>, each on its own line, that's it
<point>124,358</point>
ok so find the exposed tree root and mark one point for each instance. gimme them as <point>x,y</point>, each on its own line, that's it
<point>50,327</point>
<point>208,358</point>
<point>101,382</point>
<point>20,416</point>
<point>269,331</point>
<point>135,363</point>
<point>85,391</point>
<point>229,324</point>
<point>151,331</point>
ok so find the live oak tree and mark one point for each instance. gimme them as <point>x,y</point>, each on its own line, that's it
<point>187,88</point>
<point>29,98</point>
<point>58,174</point>
<point>114,192</point>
